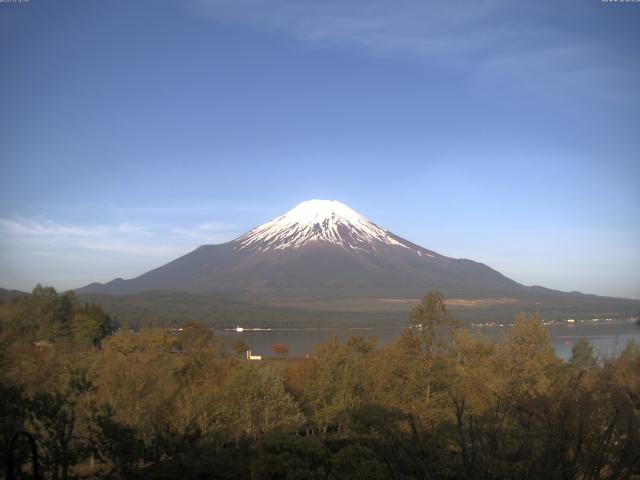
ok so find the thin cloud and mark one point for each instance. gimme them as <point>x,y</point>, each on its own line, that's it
<point>132,248</point>
<point>93,252</point>
<point>379,26</point>
<point>132,228</point>
<point>191,210</point>
<point>486,39</point>
<point>211,232</point>
<point>38,226</point>
<point>42,237</point>
<point>41,227</point>
<point>47,228</point>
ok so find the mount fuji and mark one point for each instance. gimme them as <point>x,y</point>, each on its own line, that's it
<point>324,253</point>
<point>320,249</point>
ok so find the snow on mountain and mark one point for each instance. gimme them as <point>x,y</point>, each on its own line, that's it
<point>318,250</point>
<point>323,251</point>
<point>318,221</point>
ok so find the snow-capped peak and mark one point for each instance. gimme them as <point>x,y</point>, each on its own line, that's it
<point>318,221</point>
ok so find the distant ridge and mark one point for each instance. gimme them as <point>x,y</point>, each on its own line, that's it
<point>323,251</point>
<point>11,294</point>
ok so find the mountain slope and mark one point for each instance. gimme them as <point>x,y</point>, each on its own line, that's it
<point>318,250</point>
<point>321,253</point>
<point>8,295</point>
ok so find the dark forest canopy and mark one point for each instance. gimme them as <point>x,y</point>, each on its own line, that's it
<point>437,403</point>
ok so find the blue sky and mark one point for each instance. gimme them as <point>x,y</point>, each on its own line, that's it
<point>502,131</point>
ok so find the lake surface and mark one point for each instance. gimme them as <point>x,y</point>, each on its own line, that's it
<point>607,338</point>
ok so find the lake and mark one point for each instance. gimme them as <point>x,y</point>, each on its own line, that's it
<point>607,338</point>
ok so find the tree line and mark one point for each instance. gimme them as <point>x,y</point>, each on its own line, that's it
<point>438,403</point>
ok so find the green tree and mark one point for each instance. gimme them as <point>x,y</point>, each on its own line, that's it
<point>529,358</point>
<point>431,325</point>
<point>66,306</point>
<point>100,317</point>
<point>52,313</point>
<point>258,401</point>
<point>532,377</point>
<point>36,316</point>
<point>397,379</point>
<point>338,382</point>
<point>583,356</point>
<point>199,398</point>
<point>136,377</point>
<point>47,315</point>
<point>473,386</point>
<point>87,330</point>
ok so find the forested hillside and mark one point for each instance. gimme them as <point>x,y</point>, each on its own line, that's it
<point>438,403</point>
